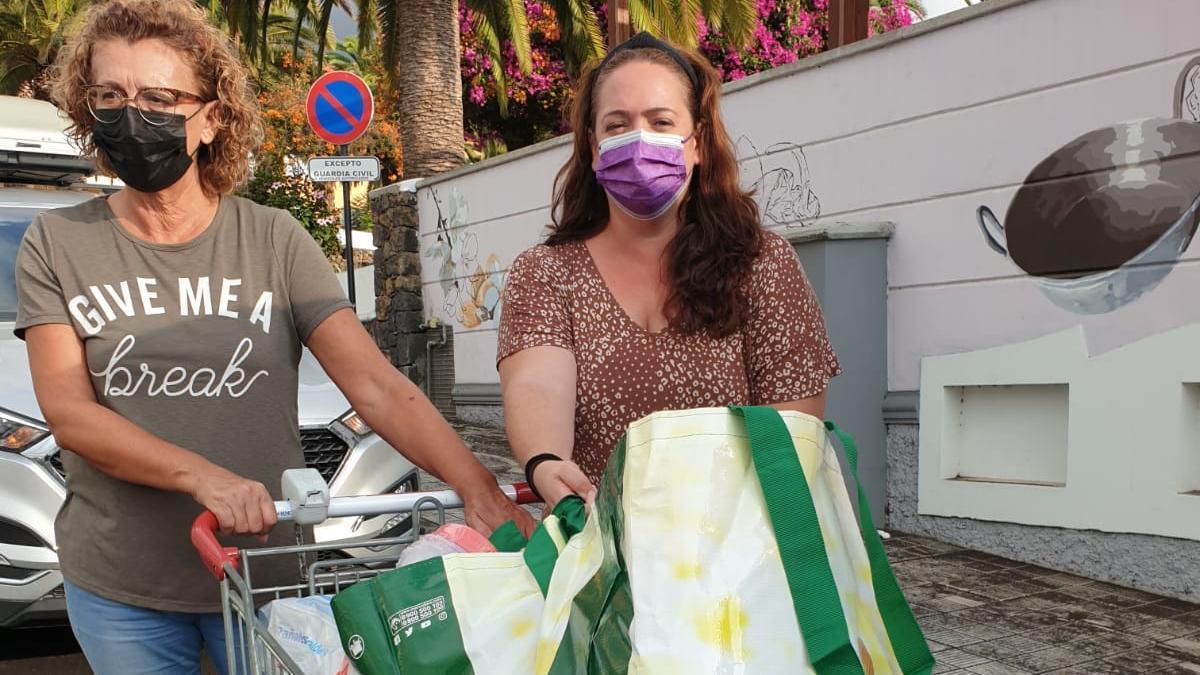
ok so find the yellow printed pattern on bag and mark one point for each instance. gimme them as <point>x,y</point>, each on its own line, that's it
<point>708,585</point>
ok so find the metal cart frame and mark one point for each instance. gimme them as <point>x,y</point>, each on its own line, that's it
<point>250,648</point>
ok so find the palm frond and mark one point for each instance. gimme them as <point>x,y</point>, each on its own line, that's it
<point>653,16</point>
<point>738,18</point>
<point>266,22</point>
<point>915,7</point>
<point>323,33</point>
<point>579,32</point>
<point>389,26</point>
<point>687,29</point>
<point>506,19</point>
<point>302,14</point>
<point>368,23</point>
<point>485,30</point>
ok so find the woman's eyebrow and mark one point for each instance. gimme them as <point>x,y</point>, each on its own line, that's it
<point>651,111</point>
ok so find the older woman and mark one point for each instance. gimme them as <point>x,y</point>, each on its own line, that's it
<point>657,289</point>
<point>164,325</point>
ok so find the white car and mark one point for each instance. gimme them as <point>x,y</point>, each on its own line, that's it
<point>39,170</point>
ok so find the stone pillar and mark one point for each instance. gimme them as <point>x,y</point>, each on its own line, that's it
<point>399,312</point>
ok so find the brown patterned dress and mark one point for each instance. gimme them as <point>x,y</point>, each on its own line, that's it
<point>556,297</point>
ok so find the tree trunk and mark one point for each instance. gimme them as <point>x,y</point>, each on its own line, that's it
<point>430,86</point>
<point>266,21</point>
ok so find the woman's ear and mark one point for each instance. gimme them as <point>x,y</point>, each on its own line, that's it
<point>211,125</point>
<point>594,147</point>
<point>698,147</point>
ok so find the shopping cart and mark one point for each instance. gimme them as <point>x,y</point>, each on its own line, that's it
<point>250,648</point>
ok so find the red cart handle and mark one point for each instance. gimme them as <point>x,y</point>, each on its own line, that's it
<point>212,553</point>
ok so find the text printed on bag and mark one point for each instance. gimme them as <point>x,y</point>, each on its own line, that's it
<point>417,617</point>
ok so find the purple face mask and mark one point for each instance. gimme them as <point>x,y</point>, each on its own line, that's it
<point>643,172</point>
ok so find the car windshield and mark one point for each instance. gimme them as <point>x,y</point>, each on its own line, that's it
<point>13,221</point>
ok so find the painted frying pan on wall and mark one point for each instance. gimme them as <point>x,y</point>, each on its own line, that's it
<point>1103,219</point>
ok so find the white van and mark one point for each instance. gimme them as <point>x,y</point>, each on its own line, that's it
<point>39,170</point>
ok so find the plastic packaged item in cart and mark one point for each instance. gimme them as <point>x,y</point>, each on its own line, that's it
<point>306,630</point>
<point>449,538</point>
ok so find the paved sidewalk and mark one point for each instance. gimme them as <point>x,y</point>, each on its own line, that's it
<point>987,615</point>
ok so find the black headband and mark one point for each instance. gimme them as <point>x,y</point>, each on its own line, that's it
<point>644,40</point>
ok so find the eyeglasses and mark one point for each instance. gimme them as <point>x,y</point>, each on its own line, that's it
<point>107,103</point>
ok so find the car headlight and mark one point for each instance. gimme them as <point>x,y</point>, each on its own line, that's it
<point>352,421</point>
<point>18,433</point>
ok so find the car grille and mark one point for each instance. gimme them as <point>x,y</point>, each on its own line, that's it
<point>323,451</point>
<point>10,573</point>
<point>325,556</point>
<point>55,461</point>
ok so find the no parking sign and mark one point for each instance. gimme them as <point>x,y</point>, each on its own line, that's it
<point>339,107</point>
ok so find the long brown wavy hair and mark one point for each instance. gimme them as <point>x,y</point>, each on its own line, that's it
<point>710,258</point>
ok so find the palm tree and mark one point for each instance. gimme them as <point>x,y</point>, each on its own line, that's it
<point>420,51</point>
<point>679,21</point>
<point>422,37</point>
<point>31,32</point>
<point>496,21</point>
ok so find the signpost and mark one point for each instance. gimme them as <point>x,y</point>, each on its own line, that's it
<point>340,107</point>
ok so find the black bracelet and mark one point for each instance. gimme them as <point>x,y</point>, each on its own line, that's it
<point>532,464</point>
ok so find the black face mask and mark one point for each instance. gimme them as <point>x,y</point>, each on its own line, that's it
<point>147,157</point>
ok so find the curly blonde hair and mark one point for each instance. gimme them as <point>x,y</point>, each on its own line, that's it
<point>182,25</point>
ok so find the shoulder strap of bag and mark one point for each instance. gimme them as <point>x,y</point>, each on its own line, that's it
<point>801,544</point>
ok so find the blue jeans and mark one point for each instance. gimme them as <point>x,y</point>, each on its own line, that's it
<point>120,639</point>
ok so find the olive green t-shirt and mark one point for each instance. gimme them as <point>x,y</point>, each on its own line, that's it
<point>197,343</point>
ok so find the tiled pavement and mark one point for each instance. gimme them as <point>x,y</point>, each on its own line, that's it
<point>985,615</point>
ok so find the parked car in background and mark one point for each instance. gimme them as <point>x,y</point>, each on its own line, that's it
<point>39,170</point>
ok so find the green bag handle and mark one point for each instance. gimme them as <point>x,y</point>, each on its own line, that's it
<point>908,643</point>
<point>801,544</point>
<point>508,538</point>
<point>814,594</point>
<point>542,553</point>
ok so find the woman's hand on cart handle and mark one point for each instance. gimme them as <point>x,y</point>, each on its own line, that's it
<point>240,506</point>
<point>491,508</point>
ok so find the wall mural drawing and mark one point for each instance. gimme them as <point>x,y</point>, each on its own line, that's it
<point>782,183</point>
<point>1187,92</point>
<point>1100,230</point>
<point>470,291</point>
<point>1103,219</point>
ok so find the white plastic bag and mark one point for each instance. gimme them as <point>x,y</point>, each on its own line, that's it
<point>450,538</point>
<point>306,630</point>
